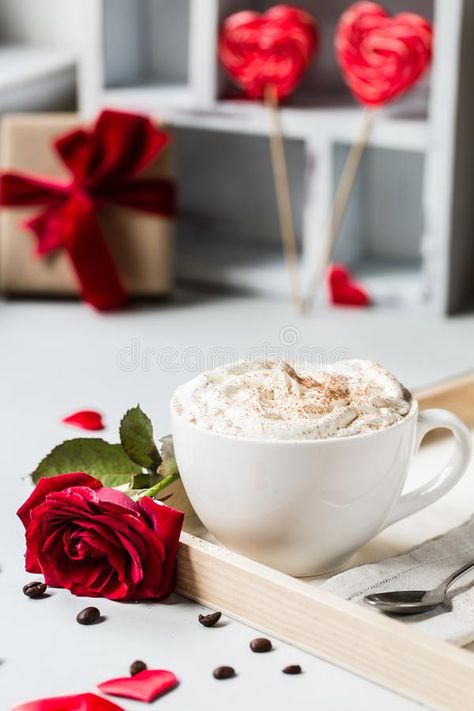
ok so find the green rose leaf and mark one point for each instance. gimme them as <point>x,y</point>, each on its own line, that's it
<point>107,462</point>
<point>141,481</point>
<point>136,436</point>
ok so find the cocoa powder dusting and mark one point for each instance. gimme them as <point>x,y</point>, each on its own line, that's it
<point>334,387</point>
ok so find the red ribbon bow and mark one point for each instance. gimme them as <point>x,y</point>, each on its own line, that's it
<point>104,164</point>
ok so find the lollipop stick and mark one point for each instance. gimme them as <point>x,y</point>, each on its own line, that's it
<point>280,174</point>
<point>341,199</point>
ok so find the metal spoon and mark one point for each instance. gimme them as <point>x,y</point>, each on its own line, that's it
<point>410,602</point>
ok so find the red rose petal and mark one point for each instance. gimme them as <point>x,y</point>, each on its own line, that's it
<point>144,686</point>
<point>85,420</point>
<point>44,487</point>
<point>48,485</point>
<point>167,522</point>
<point>343,290</point>
<point>78,702</point>
<point>112,496</point>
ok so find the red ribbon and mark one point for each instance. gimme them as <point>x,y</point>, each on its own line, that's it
<point>104,164</point>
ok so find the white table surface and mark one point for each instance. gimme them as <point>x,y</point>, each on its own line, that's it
<point>56,358</point>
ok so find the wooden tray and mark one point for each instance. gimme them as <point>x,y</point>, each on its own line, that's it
<point>381,649</point>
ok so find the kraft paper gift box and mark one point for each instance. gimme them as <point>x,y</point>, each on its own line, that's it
<point>141,244</point>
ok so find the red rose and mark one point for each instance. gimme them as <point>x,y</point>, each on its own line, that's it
<point>96,541</point>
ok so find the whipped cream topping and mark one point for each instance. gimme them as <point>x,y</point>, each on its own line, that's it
<point>275,400</point>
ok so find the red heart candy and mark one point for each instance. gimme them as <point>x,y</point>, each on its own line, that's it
<point>147,685</point>
<point>343,290</point>
<point>273,49</point>
<point>78,702</point>
<point>85,420</point>
<point>381,56</point>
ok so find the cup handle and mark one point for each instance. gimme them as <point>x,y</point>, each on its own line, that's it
<point>450,474</point>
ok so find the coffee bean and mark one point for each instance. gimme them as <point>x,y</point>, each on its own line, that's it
<point>261,644</point>
<point>223,673</point>
<point>292,669</point>
<point>211,619</point>
<point>137,667</point>
<point>88,616</point>
<point>34,589</point>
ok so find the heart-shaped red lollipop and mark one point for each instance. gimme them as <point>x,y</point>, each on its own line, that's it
<point>270,49</point>
<point>381,56</point>
<point>343,290</point>
<point>147,685</point>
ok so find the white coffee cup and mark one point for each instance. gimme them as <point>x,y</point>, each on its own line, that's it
<point>305,506</point>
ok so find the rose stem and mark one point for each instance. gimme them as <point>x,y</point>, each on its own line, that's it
<point>154,490</point>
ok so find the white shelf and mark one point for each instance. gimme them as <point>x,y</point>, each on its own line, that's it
<point>36,78</point>
<point>333,119</point>
<point>229,263</point>
<point>415,196</point>
<point>332,124</point>
<point>149,98</point>
<point>21,64</point>
<point>392,285</point>
<point>253,268</point>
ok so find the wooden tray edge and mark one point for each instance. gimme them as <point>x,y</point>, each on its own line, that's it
<point>456,394</point>
<point>380,649</point>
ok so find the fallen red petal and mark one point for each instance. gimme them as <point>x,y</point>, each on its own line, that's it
<point>85,420</point>
<point>78,702</point>
<point>144,686</point>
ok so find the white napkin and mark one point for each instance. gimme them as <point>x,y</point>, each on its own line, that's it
<point>424,567</point>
